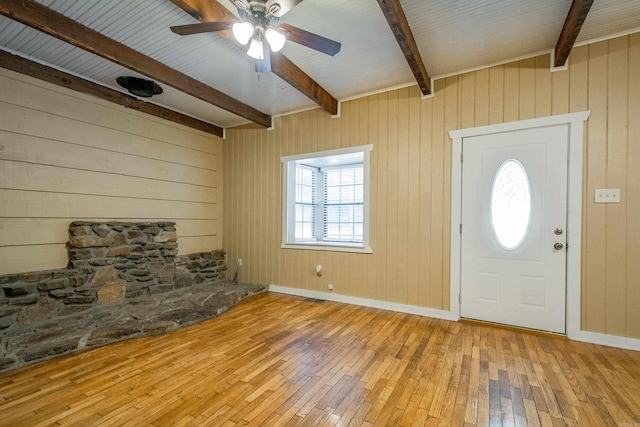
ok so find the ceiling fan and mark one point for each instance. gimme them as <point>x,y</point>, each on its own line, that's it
<point>259,23</point>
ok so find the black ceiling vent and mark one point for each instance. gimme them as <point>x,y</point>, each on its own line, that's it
<point>140,87</point>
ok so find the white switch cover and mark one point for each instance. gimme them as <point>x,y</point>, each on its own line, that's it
<point>607,195</point>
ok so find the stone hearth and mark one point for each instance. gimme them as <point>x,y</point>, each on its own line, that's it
<point>124,280</point>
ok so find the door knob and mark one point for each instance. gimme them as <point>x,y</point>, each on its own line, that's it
<point>558,246</point>
<point>558,231</point>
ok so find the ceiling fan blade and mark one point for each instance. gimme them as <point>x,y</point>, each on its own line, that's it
<point>205,27</point>
<point>285,6</point>
<point>264,65</point>
<point>311,40</point>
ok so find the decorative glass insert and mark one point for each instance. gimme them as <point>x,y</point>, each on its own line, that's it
<point>510,204</point>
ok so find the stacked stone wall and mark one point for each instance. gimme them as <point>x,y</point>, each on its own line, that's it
<point>112,267</point>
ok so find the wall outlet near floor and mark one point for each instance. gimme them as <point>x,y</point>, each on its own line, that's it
<point>330,286</point>
<point>607,195</point>
<point>239,262</point>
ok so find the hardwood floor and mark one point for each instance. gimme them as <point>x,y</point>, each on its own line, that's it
<point>278,360</point>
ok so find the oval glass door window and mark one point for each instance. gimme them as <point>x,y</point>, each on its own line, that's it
<point>510,204</point>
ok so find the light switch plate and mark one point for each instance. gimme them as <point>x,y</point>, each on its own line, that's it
<point>607,195</point>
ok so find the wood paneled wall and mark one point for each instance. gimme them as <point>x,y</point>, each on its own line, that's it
<point>65,156</point>
<point>411,180</point>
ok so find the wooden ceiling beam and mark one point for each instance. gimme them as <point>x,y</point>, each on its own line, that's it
<point>570,30</point>
<point>397,20</point>
<point>41,18</point>
<point>69,81</point>
<point>208,11</point>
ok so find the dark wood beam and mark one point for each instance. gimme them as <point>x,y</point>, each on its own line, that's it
<point>570,30</point>
<point>397,20</point>
<point>34,15</point>
<point>209,10</point>
<point>60,78</point>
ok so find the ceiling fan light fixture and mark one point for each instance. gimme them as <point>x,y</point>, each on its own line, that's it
<point>275,38</point>
<point>256,49</point>
<point>243,31</point>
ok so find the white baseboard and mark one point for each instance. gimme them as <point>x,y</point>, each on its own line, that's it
<point>585,336</point>
<point>365,302</point>
<point>605,339</point>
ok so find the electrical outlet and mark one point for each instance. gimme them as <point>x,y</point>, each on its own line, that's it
<point>239,262</point>
<point>330,286</point>
<point>607,195</point>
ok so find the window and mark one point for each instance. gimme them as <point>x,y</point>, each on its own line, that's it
<point>326,197</point>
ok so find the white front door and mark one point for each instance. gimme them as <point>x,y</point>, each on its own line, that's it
<point>514,215</point>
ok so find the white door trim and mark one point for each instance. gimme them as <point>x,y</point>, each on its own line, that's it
<point>575,122</point>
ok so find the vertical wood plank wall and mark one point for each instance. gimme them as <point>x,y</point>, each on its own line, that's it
<point>65,156</point>
<point>411,181</point>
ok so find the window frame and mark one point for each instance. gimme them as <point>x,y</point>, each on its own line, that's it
<point>289,201</point>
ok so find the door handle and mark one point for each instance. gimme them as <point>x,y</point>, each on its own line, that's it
<point>558,246</point>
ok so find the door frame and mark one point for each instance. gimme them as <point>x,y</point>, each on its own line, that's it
<point>575,128</point>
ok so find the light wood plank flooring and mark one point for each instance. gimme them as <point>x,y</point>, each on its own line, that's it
<point>277,360</point>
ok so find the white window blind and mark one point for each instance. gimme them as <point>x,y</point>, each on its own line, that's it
<point>343,203</point>
<point>305,203</point>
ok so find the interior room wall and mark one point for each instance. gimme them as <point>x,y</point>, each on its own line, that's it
<point>411,180</point>
<point>66,156</point>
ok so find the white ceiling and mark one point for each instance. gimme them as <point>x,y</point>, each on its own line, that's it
<point>452,35</point>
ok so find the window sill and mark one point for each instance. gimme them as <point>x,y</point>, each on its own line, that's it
<point>336,247</point>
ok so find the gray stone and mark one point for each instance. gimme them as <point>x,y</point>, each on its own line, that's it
<point>170,245</point>
<point>135,256</point>
<point>169,228</point>
<point>197,279</point>
<point>134,234</point>
<point>36,312</point>
<point>66,310</point>
<point>139,272</point>
<point>162,269</point>
<point>122,250</point>
<point>78,280</point>
<point>80,230</point>
<point>158,327</point>
<point>169,253</point>
<point>53,284</point>
<point>183,278</point>
<point>59,274</point>
<point>134,294</point>
<point>152,246</point>
<point>7,311</point>
<point>165,224</point>
<point>111,292</point>
<point>136,286</point>
<point>117,228</point>
<point>25,300</point>
<point>104,276</point>
<point>62,293</point>
<point>117,240</point>
<point>153,230</point>
<point>51,349</point>
<point>79,263</point>
<point>125,266</point>
<point>101,230</point>
<point>165,237</point>
<point>113,333</point>
<point>101,261</point>
<point>5,322</point>
<point>18,289</point>
<point>154,254</point>
<point>79,299</point>
<point>7,362</point>
<point>88,242</point>
<point>158,289</point>
<point>35,276</point>
<point>80,254</point>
